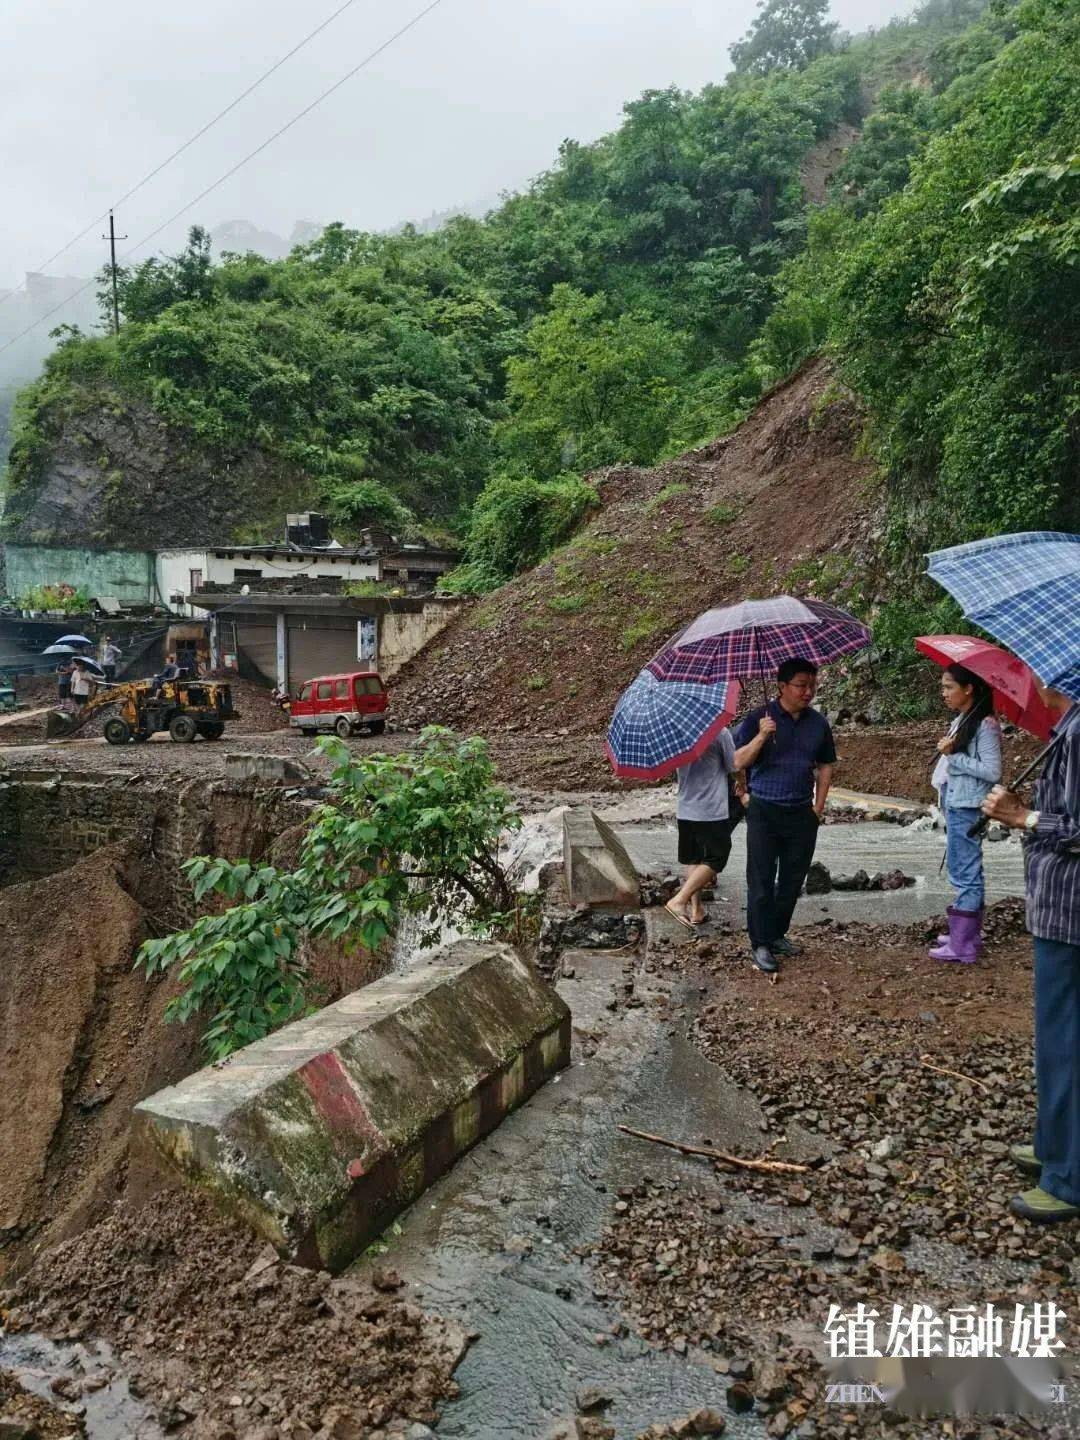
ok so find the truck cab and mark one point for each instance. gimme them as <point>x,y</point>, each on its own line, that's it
<point>344,704</point>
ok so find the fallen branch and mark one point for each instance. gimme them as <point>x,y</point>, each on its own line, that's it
<point>738,1161</point>
<point>956,1075</point>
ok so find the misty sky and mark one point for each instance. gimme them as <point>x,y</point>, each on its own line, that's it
<point>473,101</point>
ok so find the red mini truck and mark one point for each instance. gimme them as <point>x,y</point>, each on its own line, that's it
<point>345,704</point>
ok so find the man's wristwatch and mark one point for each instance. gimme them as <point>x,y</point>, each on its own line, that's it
<point>1031,819</point>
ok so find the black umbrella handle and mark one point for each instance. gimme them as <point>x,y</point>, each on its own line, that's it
<point>979,829</point>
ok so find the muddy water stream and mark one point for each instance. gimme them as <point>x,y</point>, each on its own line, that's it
<point>104,1402</point>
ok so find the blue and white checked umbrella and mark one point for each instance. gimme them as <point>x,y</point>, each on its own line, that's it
<point>1025,591</point>
<point>659,725</point>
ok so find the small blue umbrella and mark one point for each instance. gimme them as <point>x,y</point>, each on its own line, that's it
<point>659,725</point>
<point>1025,591</point>
<point>73,640</point>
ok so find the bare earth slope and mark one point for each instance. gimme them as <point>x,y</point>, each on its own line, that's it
<point>780,504</point>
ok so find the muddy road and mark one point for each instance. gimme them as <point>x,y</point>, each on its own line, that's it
<point>565,1277</point>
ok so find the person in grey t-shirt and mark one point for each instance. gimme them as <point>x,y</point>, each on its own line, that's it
<point>702,815</point>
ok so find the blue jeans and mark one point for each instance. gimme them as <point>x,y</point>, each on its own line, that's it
<point>963,857</point>
<point>1057,1067</point>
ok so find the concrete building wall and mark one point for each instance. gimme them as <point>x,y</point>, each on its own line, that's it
<point>174,570</point>
<point>126,574</point>
<point>402,635</point>
<point>221,569</point>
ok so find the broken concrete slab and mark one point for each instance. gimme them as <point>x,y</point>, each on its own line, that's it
<point>597,868</point>
<point>320,1134</point>
<point>268,769</point>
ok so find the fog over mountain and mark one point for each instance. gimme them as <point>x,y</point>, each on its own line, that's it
<point>470,103</point>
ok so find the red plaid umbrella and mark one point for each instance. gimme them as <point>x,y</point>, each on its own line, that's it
<point>1012,682</point>
<point>752,638</point>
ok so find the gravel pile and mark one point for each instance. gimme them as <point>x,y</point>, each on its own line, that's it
<point>228,1343</point>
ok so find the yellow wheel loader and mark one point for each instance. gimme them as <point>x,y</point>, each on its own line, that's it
<point>185,708</point>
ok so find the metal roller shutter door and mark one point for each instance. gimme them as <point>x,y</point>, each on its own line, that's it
<point>323,646</point>
<point>257,640</point>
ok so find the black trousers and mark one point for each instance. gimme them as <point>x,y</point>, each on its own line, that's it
<point>780,841</point>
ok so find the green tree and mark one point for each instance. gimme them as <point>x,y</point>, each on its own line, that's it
<point>785,35</point>
<point>590,388</point>
<point>147,289</point>
<point>956,321</point>
<point>354,503</point>
<point>879,163</point>
<point>417,833</point>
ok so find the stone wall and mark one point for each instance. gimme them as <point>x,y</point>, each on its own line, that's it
<point>51,820</point>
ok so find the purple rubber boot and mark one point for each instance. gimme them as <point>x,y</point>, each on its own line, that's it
<point>943,939</point>
<point>964,941</point>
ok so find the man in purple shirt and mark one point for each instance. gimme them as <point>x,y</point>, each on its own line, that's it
<point>1052,845</point>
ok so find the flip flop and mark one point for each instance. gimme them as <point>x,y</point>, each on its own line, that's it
<point>680,918</point>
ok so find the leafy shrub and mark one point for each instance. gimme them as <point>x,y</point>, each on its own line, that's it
<point>414,833</point>
<point>66,598</point>
<point>722,514</point>
<point>516,521</point>
<point>355,502</point>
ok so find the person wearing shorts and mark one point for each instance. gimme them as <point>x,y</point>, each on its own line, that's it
<point>703,817</point>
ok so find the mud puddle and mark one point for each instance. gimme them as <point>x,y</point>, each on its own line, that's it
<point>92,1388</point>
<point>497,1243</point>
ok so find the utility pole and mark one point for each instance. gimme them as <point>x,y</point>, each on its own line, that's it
<point>112,238</point>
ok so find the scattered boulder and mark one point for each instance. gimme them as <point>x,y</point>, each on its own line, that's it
<point>12,1428</point>
<point>592,1399</point>
<point>818,879</point>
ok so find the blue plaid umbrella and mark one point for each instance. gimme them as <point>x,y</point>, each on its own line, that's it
<point>1025,591</point>
<point>659,725</point>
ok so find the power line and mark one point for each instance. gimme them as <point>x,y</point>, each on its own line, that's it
<point>189,142</point>
<point>420,15</point>
<point>374,55</point>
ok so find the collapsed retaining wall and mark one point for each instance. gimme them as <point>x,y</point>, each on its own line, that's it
<point>321,1133</point>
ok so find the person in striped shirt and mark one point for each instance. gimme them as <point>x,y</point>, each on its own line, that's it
<point>1052,843</point>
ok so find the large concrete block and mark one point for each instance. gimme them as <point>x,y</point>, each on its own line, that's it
<point>321,1133</point>
<point>270,769</point>
<point>598,869</point>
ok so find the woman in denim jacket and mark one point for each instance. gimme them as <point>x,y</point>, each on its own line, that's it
<point>968,767</point>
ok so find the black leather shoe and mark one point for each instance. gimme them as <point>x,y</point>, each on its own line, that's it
<point>784,946</point>
<point>764,959</point>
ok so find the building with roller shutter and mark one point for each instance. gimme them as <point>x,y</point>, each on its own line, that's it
<point>288,638</point>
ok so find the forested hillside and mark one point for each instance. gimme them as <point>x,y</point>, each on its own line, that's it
<point>904,200</point>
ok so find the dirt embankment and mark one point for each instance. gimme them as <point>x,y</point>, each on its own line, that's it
<point>83,1040</point>
<point>899,759</point>
<point>84,1037</point>
<point>784,503</point>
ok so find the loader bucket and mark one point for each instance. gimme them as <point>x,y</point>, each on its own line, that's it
<point>59,723</point>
